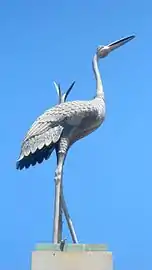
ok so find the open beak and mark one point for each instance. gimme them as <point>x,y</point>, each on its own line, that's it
<point>114,45</point>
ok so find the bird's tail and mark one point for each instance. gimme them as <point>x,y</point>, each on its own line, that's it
<point>39,147</point>
<point>34,158</point>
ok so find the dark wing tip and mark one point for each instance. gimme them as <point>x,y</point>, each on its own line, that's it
<point>19,165</point>
<point>38,157</point>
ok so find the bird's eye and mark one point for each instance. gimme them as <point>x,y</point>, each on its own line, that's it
<point>99,49</point>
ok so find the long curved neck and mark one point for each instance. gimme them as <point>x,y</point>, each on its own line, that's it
<point>99,85</point>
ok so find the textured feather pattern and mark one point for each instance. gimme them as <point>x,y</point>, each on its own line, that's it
<point>63,112</point>
<point>46,131</point>
<point>39,147</point>
<point>37,157</point>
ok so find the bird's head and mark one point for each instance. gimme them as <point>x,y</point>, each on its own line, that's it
<point>103,51</point>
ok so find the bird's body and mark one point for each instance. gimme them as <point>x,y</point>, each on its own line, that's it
<point>61,125</point>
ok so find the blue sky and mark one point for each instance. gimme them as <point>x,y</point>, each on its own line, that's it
<point>107,176</point>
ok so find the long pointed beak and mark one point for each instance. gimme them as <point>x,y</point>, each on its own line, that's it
<point>114,45</point>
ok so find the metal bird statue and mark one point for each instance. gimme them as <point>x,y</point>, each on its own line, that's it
<point>61,126</point>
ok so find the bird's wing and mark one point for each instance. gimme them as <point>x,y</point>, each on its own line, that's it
<point>57,116</point>
<point>48,128</point>
<point>58,90</point>
<point>65,95</point>
<point>49,119</point>
<point>46,131</point>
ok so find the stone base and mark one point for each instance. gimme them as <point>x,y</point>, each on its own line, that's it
<point>74,257</point>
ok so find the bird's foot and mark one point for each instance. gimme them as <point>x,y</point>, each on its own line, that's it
<point>62,244</point>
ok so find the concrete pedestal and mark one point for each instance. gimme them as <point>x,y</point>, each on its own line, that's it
<point>74,257</point>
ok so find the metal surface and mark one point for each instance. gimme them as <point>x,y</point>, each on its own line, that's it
<point>61,126</point>
<point>105,50</point>
<point>62,97</point>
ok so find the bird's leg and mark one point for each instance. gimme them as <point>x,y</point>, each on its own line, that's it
<point>68,219</point>
<point>60,217</point>
<point>58,185</point>
<point>60,203</point>
<point>63,207</point>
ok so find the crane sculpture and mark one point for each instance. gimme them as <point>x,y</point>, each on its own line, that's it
<point>61,126</point>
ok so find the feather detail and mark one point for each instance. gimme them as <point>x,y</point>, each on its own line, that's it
<point>39,147</point>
